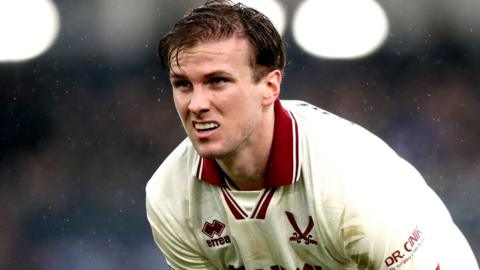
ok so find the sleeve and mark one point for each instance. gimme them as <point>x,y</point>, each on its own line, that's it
<point>177,246</point>
<point>394,221</point>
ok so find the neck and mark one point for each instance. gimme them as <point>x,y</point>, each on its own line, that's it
<point>246,168</point>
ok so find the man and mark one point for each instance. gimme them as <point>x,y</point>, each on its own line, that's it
<point>267,184</point>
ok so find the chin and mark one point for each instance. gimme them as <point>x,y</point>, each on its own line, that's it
<point>210,152</point>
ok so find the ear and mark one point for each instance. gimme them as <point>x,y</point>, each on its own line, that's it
<point>272,82</point>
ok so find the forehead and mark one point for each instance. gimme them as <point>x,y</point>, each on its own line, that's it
<point>231,53</point>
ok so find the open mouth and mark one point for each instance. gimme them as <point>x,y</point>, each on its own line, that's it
<point>202,127</point>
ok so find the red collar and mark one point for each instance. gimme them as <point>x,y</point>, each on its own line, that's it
<point>283,162</point>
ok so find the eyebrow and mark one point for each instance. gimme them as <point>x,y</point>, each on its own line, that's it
<point>175,76</point>
<point>214,73</point>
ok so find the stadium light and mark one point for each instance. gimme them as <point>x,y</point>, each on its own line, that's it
<point>27,28</point>
<point>272,9</point>
<point>340,29</point>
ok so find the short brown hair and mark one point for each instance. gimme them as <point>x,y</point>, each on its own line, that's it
<point>221,19</point>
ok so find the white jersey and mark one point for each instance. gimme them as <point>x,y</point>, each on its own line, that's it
<point>335,197</point>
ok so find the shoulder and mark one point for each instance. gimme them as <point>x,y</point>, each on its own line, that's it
<point>169,209</point>
<point>330,135</point>
<point>344,160</point>
<point>358,166</point>
<point>171,178</point>
<point>167,200</point>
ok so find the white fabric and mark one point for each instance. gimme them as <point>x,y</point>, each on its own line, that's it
<point>370,209</point>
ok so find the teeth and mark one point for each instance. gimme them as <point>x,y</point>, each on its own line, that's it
<point>204,126</point>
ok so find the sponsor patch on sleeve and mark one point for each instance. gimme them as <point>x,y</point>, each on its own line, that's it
<point>406,252</point>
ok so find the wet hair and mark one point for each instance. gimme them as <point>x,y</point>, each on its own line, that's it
<point>219,20</point>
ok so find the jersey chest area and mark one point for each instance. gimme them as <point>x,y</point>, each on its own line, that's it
<point>276,228</point>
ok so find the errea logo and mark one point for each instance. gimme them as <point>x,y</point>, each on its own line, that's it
<point>213,228</point>
<point>210,229</point>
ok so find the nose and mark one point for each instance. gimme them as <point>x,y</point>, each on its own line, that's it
<point>199,101</point>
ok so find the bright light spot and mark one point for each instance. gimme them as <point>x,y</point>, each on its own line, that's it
<point>270,8</point>
<point>340,29</point>
<point>27,28</point>
<point>126,27</point>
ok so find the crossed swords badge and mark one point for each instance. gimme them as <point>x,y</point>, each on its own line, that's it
<point>298,235</point>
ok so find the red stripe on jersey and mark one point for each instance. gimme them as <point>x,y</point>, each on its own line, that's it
<point>280,166</point>
<point>235,209</point>
<point>199,168</point>
<point>297,150</point>
<point>438,267</point>
<point>265,191</point>
<point>263,209</point>
<point>209,169</point>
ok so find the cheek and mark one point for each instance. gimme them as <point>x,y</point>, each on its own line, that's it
<point>182,115</point>
<point>180,104</point>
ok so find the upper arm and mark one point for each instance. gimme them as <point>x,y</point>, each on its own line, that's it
<point>167,213</point>
<point>173,239</point>
<point>402,224</point>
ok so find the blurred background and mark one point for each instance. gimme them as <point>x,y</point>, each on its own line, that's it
<point>86,114</point>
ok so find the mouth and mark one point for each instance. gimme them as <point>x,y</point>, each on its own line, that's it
<point>205,126</point>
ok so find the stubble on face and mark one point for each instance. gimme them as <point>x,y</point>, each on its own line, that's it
<point>234,104</point>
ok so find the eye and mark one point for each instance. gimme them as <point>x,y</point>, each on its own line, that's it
<point>218,80</point>
<point>181,84</point>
